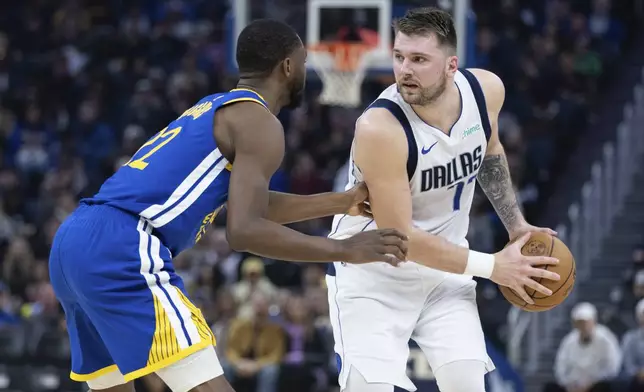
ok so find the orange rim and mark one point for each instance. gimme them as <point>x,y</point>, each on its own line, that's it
<point>346,55</point>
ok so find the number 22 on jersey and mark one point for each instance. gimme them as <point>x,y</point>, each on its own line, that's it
<point>159,140</point>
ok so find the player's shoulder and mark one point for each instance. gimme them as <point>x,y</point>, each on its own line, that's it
<point>492,86</point>
<point>377,122</point>
<point>378,131</point>
<point>247,126</point>
<point>487,79</point>
<point>249,113</point>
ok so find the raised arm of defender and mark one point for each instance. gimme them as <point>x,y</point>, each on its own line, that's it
<point>377,131</point>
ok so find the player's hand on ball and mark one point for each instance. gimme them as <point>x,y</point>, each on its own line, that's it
<point>388,245</point>
<point>528,228</point>
<point>517,271</point>
<point>359,200</point>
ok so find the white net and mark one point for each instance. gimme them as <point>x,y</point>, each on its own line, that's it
<point>342,68</point>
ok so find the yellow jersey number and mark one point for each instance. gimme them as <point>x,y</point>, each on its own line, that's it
<point>165,136</point>
<point>162,138</point>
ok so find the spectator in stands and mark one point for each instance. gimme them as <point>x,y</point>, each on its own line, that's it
<point>315,293</point>
<point>589,356</point>
<point>637,291</point>
<point>227,260</point>
<point>84,83</point>
<point>306,355</point>
<point>8,315</point>
<point>624,298</point>
<point>40,294</point>
<point>638,260</point>
<point>255,349</point>
<point>253,281</point>
<point>17,264</point>
<point>225,312</point>
<point>313,277</point>
<point>636,266</point>
<point>633,349</point>
<point>604,26</point>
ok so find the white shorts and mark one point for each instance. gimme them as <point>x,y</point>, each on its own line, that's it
<point>376,308</point>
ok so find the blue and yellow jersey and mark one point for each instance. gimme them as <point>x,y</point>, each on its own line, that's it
<point>178,180</point>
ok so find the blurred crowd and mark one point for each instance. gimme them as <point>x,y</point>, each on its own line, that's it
<point>604,350</point>
<point>83,83</point>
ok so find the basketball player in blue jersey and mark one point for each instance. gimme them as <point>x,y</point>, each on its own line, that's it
<point>127,311</point>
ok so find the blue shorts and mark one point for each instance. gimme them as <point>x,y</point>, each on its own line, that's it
<point>126,309</point>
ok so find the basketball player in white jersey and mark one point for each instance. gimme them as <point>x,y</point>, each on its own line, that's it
<point>420,147</point>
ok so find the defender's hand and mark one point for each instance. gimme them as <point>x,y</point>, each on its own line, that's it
<point>515,270</point>
<point>388,245</point>
<point>358,197</point>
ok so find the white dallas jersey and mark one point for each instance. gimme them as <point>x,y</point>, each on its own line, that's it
<point>442,168</point>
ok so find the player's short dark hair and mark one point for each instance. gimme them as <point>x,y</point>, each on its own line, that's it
<point>262,44</point>
<point>426,21</point>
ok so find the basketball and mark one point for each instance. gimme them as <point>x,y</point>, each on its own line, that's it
<point>542,244</point>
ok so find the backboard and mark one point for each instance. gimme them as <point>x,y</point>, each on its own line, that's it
<point>318,20</point>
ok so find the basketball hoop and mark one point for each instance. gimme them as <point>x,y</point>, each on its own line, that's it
<point>341,66</point>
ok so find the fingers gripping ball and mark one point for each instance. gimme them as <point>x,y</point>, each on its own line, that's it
<point>542,244</point>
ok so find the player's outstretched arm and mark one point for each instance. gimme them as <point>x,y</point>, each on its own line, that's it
<point>391,204</point>
<point>258,142</point>
<point>494,175</point>
<point>288,208</point>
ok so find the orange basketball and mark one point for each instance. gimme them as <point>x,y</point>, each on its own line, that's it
<point>542,244</point>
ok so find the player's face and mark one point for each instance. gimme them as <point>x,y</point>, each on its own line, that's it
<point>296,77</point>
<point>422,68</point>
<point>585,328</point>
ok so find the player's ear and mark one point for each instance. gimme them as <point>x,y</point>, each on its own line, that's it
<point>287,66</point>
<point>452,65</point>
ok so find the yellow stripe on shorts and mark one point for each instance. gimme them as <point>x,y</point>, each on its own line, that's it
<point>197,317</point>
<point>164,341</point>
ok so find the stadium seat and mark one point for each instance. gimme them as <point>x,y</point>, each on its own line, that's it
<point>17,378</point>
<point>45,379</point>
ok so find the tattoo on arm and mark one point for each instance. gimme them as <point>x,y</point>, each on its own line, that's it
<point>494,178</point>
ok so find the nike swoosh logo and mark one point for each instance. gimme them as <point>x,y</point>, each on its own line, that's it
<point>427,150</point>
